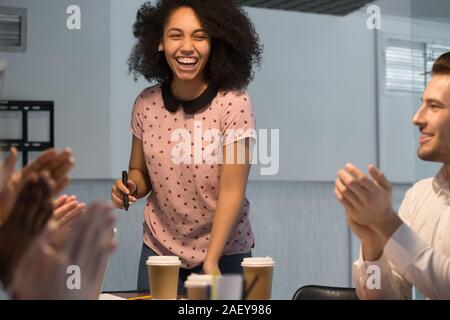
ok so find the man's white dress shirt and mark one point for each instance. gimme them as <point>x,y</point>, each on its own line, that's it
<point>418,253</point>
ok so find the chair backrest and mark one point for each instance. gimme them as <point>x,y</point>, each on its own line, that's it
<point>325,293</point>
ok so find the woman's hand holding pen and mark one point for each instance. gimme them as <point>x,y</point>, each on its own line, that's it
<point>119,190</point>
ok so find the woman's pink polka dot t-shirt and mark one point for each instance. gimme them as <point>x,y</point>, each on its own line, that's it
<point>179,211</point>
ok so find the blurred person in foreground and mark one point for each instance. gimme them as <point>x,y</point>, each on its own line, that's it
<point>40,237</point>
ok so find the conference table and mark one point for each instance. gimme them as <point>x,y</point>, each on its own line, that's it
<point>129,295</point>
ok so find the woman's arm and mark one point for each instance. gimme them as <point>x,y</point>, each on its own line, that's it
<point>137,171</point>
<point>232,186</point>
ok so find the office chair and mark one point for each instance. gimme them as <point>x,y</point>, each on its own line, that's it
<point>325,293</point>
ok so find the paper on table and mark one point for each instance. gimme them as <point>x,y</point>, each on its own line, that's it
<point>107,296</point>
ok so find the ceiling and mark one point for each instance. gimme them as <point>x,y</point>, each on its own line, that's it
<point>431,10</point>
<point>333,7</point>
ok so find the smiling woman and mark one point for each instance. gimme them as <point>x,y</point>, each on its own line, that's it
<point>201,54</point>
<point>187,48</point>
<point>235,48</point>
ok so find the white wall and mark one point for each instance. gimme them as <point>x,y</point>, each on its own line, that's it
<point>71,68</point>
<point>316,85</point>
<point>124,89</point>
<point>320,80</point>
<point>314,82</point>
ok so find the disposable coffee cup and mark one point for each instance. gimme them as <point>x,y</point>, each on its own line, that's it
<point>198,286</point>
<point>163,272</point>
<point>258,274</point>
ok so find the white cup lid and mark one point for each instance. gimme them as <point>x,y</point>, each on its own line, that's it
<point>258,262</point>
<point>163,261</point>
<point>196,276</point>
<point>198,280</point>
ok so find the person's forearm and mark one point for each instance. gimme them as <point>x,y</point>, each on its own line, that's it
<point>426,267</point>
<point>391,285</point>
<point>377,280</point>
<point>372,249</point>
<point>142,182</point>
<point>388,227</point>
<point>373,244</point>
<point>372,283</point>
<point>225,218</point>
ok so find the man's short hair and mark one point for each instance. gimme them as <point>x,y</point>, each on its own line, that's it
<point>442,64</point>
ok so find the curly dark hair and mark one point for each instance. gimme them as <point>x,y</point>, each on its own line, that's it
<point>235,47</point>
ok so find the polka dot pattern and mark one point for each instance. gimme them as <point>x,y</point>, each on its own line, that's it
<point>178,214</point>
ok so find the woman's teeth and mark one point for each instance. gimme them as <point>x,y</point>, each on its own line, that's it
<point>187,61</point>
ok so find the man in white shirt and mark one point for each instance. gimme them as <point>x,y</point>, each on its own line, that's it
<point>413,247</point>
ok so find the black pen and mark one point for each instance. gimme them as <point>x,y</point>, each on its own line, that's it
<point>125,197</point>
